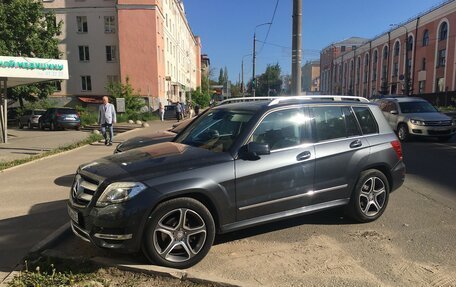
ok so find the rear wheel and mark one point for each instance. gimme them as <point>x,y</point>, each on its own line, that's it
<point>403,132</point>
<point>21,126</point>
<point>29,125</point>
<point>370,196</point>
<point>179,233</point>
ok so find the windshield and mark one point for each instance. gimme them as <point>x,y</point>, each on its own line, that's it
<point>417,107</point>
<point>216,130</point>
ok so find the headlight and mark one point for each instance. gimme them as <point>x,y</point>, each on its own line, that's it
<point>453,123</point>
<point>119,192</point>
<point>417,122</point>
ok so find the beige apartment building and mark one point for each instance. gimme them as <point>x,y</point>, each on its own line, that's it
<point>310,77</point>
<point>148,41</point>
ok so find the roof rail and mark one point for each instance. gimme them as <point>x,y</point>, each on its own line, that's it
<point>277,100</point>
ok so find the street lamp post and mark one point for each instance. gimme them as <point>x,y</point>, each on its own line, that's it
<point>254,57</point>
<point>407,72</point>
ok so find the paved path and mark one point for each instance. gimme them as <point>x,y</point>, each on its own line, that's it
<point>33,197</point>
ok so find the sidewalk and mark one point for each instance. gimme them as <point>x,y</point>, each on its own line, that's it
<point>34,195</point>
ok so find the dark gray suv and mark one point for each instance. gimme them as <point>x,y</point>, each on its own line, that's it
<point>237,166</point>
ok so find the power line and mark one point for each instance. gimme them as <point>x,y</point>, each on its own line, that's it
<point>289,48</point>
<point>269,29</point>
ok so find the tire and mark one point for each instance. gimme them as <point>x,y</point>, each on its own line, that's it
<point>370,196</point>
<point>41,126</point>
<point>179,233</point>
<point>29,125</point>
<point>403,132</point>
<point>21,126</point>
<point>52,126</point>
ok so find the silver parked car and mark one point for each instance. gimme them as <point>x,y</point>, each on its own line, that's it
<point>411,116</point>
<point>30,118</point>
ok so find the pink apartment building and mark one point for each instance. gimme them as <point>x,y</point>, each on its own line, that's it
<point>148,41</point>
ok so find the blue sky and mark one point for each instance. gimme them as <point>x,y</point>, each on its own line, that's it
<point>226,27</point>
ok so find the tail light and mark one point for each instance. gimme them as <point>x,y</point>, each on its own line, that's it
<point>397,148</point>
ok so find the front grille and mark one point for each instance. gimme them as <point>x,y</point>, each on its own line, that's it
<point>438,123</point>
<point>83,190</point>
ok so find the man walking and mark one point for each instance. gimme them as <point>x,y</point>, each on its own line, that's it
<point>179,111</point>
<point>106,118</point>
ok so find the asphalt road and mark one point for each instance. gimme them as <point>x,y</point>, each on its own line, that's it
<point>412,244</point>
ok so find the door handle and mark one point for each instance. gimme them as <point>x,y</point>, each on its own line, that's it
<point>355,144</point>
<point>303,156</point>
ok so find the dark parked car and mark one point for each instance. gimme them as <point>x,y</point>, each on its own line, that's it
<point>170,112</point>
<point>30,118</point>
<point>236,166</point>
<point>60,118</point>
<point>163,136</point>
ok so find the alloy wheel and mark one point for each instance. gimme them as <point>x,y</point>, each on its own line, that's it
<point>179,235</point>
<point>372,197</point>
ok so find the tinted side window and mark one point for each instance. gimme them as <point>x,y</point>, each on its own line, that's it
<point>282,129</point>
<point>329,123</point>
<point>366,120</point>
<point>351,124</point>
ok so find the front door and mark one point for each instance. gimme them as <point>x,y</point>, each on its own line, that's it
<point>281,180</point>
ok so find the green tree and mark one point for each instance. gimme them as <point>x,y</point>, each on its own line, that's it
<point>220,78</point>
<point>236,90</point>
<point>29,31</point>
<point>269,83</point>
<point>133,102</point>
<point>201,98</point>
<point>225,76</point>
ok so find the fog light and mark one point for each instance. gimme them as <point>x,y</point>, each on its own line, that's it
<point>417,131</point>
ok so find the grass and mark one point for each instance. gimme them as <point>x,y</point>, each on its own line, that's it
<point>90,139</point>
<point>55,272</point>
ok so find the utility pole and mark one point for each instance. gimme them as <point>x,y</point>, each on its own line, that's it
<point>297,48</point>
<point>254,84</point>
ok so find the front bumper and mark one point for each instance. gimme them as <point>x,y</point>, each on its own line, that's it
<point>431,131</point>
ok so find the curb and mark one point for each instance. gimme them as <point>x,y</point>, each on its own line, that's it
<point>149,269</point>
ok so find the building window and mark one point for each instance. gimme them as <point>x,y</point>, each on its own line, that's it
<point>109,24</point>
<point>396,49</point>
<point>84,53</point>
<point>113,79</point>
<point>425,38</point>
<point>443,33</point>
<point>421,86</point>
<point>423,64</point>
<point>86,83</point>
<point>410,43</point>
<point>385,52</point>
<point>441,58</point>
<point>342,48</point>
<point>395,69</point>
<point>82,24</point>
<point>111,53</point>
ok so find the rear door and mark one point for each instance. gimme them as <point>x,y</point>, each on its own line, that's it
<point>339,150</point>
<point>281,180</point>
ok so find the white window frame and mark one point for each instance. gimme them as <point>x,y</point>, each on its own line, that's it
<point>80,24</point>
<point>112,52</point>
<point>109,24</point>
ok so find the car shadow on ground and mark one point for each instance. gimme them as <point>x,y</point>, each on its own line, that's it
<point>66,180</point>
<point>19,234</point>
<point>329,217</point>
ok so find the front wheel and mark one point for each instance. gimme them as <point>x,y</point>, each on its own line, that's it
<point>403,132</point>
<point>370,196</point>
<point>179,233</point>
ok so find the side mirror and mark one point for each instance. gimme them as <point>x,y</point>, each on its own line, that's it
<point>394,112</point>
<point>253,150</point>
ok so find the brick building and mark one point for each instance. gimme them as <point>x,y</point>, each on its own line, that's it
<point>415,57</point>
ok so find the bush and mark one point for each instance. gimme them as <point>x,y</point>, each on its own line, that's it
<point>87,117</point>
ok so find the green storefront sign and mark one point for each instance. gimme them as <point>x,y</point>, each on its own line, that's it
<point>30,65</point>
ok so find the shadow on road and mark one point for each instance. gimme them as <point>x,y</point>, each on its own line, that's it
<point>328,217</point>
<point>66,180</point>
<point>432,161</point>
<point>19,234</point>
